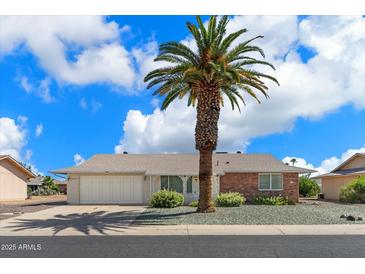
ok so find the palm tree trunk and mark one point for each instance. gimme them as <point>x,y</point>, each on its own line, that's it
<point>206,137</point>
<point>205,181</point>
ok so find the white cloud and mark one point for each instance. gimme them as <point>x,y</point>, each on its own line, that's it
<point>38,130</point>
<point>169,131</point>
<point>40,89</point>
<point>24,83</point>
<point>93,103</point>
<point>83,103</point>
<point>155,102</point>
<point>27,160</point>
<point>22,120</point>
<point>13,140</point>
<point>28,155</point>
<point>327,165</point>
<point>52,39</point>
<point>44,91</point>
<point>144,57</point>
<point>12,137</point>
<point>308,90</point>
<point>78,159</point>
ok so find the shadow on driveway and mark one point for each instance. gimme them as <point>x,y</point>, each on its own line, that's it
<point>100,221</point>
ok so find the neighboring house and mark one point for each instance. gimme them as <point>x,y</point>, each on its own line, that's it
<point>342,175</point>
<point>62,185</point>
<point>35,183</point>
<point>133,178</point>
<point>13,179</point>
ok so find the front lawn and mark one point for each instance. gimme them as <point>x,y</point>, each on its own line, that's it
<point>321,213</point>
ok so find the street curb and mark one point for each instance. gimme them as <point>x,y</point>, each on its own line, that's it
<point>193,230</point>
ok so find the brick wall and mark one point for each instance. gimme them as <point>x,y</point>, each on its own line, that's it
<point>247,184</point>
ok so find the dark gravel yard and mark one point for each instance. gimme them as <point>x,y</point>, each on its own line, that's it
<point>12,209</point>
<point>303,213</point>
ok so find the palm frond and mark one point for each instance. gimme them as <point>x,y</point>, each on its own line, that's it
<point>177,48</point>
<point>240,49</point>
<point>212,28</point>
<point>229,39</point>
<point>252,62</point>
<point>216,63</point>
<point>202,29</point>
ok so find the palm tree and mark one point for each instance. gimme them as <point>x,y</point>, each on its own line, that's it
<point>293,161</point>
<point>217,69</point>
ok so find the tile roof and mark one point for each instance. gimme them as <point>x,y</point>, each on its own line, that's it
<point>179,164</point>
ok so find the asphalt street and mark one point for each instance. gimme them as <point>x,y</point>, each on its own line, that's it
<point>185,246</point>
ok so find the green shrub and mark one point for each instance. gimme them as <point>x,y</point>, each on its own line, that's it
<point>167,199</point>
<point>230,199</point>
<point>354,192</point>
<point>272,200</point>
<point>308,187</point>
<point>194,204</point>
<point>44,192</point>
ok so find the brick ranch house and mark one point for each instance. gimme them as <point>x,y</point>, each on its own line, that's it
<point>133,178</point>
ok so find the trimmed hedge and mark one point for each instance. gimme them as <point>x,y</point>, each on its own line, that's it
<point>272,200</point>
<point>230,199</point>
<point>308,187</point>
<point>167,199</point>
<point>354,192</point>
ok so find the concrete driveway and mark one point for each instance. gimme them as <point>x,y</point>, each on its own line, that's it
<point>75,220</point>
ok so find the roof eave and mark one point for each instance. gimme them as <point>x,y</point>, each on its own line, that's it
<point>65,172</point>
<point>27,171</point>
<point>303,171</point>
<point>333,175</point>
<point>347,161</point>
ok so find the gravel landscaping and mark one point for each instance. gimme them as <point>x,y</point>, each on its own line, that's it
<point>15,208</point>
<point>303,213</point>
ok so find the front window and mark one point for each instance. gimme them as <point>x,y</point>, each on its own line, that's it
<point>174,183</point>
<point>270,181</point>
<point>189,185</point>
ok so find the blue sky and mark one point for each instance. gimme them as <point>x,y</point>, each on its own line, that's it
<point>84,114</point>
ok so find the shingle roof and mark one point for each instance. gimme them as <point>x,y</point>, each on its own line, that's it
<point>179,164</point>
<point>345,172</point>
<point>348,160</point>
<point>37,181</point>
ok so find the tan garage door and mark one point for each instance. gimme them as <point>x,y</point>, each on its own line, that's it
<point>111,189</point>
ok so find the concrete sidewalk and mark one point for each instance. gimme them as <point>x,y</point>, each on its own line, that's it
<point>188,230</point>
<point>246,230</point>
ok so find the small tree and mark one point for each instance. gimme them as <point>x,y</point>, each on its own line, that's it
<point>308,187</point>
<point>49,185</point>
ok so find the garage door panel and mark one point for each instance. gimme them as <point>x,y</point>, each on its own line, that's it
<point>111,189</point>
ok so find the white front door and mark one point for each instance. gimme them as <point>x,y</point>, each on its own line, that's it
<point>110,189</point>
